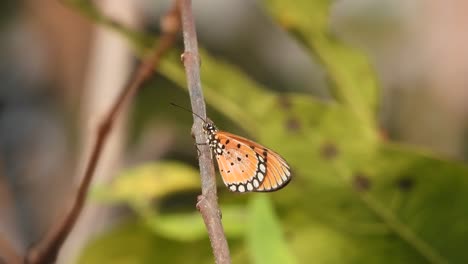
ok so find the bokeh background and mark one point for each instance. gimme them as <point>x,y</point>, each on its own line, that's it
<point>366,99</point>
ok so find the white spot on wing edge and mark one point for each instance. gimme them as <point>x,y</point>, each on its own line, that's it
<point>241,188</point>
<point>233,188</point>
<point>262,167</point>
<point>256,183</point>
<point>260,176</point>
<point>249,186</point>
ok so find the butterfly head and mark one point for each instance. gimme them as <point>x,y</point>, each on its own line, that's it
<point>210,130</point>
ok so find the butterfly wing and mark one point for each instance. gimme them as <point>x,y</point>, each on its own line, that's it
<point>248,166</point>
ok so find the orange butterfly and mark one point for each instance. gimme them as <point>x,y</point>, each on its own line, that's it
<point>245,166</point>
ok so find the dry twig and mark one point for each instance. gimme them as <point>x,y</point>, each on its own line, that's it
<point>208,200</point>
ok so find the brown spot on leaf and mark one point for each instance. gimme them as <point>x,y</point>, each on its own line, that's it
<point>329,151</point>
<point>361,182</point>
<point>405,184</point>
<point>289,235</point>
<point>284,102</point>
<point>292,124</point>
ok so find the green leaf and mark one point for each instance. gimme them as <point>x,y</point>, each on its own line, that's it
<point>190,226</point>
<point>140,185</point>
<point>132,243</point>
<point>352,79</point>
<point>149,181</point>
<point>265,237</point>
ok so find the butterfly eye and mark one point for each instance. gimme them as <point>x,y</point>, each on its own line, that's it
<point>209,127</point>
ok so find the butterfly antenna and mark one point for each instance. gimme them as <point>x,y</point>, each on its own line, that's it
<point>188,110</point>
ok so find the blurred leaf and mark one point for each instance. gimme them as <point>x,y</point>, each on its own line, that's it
<point>222,83</point>
<point>351,77</point>
<point>125,244</point>
<point>264,237</point>
<point>138,186</point>
<point>133,243</point>
<point>149,181</point>
<point>190,226</point>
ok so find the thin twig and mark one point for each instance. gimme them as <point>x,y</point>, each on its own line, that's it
<point>208,200</point>
<point>47,249</point>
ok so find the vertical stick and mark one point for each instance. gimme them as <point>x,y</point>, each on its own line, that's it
<point>208,200</point>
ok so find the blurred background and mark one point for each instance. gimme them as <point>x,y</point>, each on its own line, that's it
<point>60,73</point>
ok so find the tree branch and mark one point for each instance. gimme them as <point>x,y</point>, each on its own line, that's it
<point>47,249</point>
<point>208,200</point>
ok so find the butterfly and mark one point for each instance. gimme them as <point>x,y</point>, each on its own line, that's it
<point>244,165</point>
